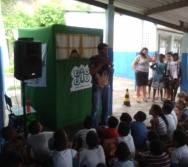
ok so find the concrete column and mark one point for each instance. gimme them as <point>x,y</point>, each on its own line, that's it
<point>109,39</point>
<point>171,44</point>
<point>1,82</point>
<point>184,60</point>
<point>1,93</point>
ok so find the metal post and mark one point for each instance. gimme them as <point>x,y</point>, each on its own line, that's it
<point>23,105</point>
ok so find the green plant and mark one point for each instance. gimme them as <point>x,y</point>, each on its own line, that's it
<point>10,70</point>
<point>17,87</point>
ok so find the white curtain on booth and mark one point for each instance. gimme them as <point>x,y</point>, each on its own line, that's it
<point>86,45</point>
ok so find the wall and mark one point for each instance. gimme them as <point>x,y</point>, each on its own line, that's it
<point>130,35</point>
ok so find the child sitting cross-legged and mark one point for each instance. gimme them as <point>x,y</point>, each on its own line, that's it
<point>122,156</point>
<point>80,136</point>
<point>38,140</point>
<point>139,130</point>
<point>179,157</point>
<point>156,157</point>
<point>124,136</point>
<point>14,142</point>
<point>92,155</point>
<point>151,135</point>
<point>62,155</point>
<point>111,131</point>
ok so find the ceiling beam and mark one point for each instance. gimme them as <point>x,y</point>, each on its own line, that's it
<point>156,21</point>
<point>137,15</point>
<point>164,8</point>
<point>95,3</point>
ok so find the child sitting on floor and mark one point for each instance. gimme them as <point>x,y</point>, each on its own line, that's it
<point>180,152</point>
<point>80,136</point>
<point>122,156</point>
<point>124,136</point>
<point>38,140</point>
<point>156,157</point>
<point>125,117</point>
<point>92,155</point>
<point>62,155</point>
<point>13,142</point>
<point>111,131</point>
<point>139,130</point>
<point>151,135</point>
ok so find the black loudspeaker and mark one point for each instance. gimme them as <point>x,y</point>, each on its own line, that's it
<point>27,59</point>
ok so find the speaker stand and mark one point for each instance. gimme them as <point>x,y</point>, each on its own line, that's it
<point>24,106</point>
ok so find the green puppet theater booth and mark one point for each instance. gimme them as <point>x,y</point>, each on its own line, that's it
<point>62,96</point>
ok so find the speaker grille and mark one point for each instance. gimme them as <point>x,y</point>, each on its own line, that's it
<point>27,59</point>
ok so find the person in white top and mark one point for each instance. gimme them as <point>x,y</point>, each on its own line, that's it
<point>124,136</point>
<point>92,155</point>
<point>62,155</point>
<point>167,110</point>
<point>168,58</point>
<point>181,150</point>
<point>174,71</point>
<point>151,74</point>
<point>80,136</point>
<point>141,67</point>
<point>38,140</point>
<point>173,112</point>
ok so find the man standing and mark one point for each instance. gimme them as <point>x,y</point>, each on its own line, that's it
<point>100,67</point>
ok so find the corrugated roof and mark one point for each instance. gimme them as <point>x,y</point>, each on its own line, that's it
<point>171,13</point>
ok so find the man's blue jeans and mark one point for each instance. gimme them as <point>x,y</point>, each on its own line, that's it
<point>100,95</point>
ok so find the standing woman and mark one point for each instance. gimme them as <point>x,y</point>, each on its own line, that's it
<point>141,68</point>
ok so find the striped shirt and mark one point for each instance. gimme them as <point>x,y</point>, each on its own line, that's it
<point>161,127</point>
<point>156,160</point>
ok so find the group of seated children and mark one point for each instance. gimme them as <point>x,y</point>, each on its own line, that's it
<point>123,143</point>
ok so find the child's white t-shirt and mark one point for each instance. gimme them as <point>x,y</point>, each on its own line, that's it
<point>39,145</point>
<point>130,143</point>
<point>63,158</point>
<point>82,134</point>
<point>91,157</point>
<point>178,154</point>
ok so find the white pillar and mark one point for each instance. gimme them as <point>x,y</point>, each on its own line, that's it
<point>184,60</point>
<point>109,39</point>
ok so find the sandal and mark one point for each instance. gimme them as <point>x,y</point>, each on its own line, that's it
<point>145,100</point>
<point>138,101</point>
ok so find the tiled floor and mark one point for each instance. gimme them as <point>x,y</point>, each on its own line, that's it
<point>119,90</point>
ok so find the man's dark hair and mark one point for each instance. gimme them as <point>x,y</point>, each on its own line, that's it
<point>88,122</point>
<point>152,135</point>
<point>113,122</point>
<point>175,54</point>
<point>60,140</point>
<point>7,132</point>
<point>125,117</point>
<point>141,116</point>
<point>167,108</point>
<point>157,147</point>
<point>168,102</point>
<point>162,55</point>
<point>101,46</point>
<point>34,127</point>
<point>180,137</point>
<point>169,53</point>
<point>123,129</point>
<point>92,139</point>
<point>122,151</point>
